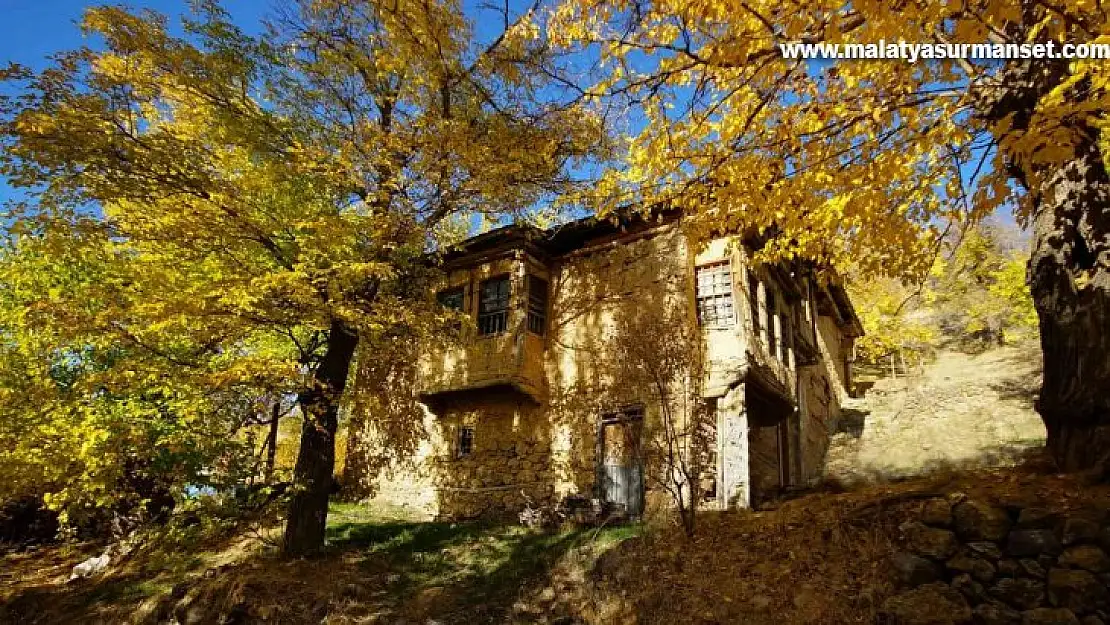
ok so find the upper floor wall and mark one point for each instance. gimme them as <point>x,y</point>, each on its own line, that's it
<point>543,320</point>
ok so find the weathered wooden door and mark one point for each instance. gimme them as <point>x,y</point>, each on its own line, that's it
<point>622,470</point>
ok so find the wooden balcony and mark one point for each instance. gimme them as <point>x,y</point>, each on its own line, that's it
<point>512,360</point>
<point>496,350</point>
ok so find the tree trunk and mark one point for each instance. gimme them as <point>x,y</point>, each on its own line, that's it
<point>312,477</point>
<point>1069,269</point>
<point>271,442</point>
<point>1069,276</point>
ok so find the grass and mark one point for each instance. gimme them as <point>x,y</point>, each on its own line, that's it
<point>468,568</point>
<point>380,565</point>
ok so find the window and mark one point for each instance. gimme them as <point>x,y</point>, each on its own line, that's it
<point>537,305</point>
<point>713,290</point>
<point>753,301</point>
<point>772,343</point>
<point>493,306</point>
<point>466,441</point>
<point>787,343</point>
<point>451,298</point>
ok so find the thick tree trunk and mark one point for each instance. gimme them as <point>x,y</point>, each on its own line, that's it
<point>1069,276</point>
<point>1069,269</point>
<point>312,477</point>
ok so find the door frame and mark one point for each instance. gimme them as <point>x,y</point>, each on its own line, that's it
<point>629,414</point>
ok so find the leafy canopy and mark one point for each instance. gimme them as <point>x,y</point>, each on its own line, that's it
<point>202,208</point>
<point>857,162</point>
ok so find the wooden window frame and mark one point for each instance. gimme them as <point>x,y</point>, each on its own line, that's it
<point>536,321</point>
<point>720,297</point>
<point>771,308</point>
<point>492,322</point>
<point>753,302</point>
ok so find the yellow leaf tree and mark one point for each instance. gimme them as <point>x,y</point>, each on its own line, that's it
<point>265,204</point>
<point>865,162</point>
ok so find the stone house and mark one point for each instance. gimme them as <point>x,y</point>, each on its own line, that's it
<point>534,400</point>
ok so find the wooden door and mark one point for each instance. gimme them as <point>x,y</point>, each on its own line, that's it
<point>622,472</point>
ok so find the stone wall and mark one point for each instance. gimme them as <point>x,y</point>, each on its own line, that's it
<point>819,418</point>
<point>510,462</point>
<point>967,561</point>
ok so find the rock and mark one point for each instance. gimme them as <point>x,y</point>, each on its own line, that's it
<point>241,613</point>
<point>1009,568</point>
<point>930,604</point>
<point>973,591</point>
<point>1091,619</point>
<point>1033,568</point>
<point>985,550</point>
<point>930,542</point>
<point>978,568</point>
<point>1079,529</point>
<point>1025,543</point>
<point>1104,538</point>
<point>91,567</point>
<point>1088,557</point>
<point>975,520</point>
<point>911,570</point>
<point>1019,592</point>
<point>996,613</point>
<point>936,512</point>
<point>1049,616</point>
<point>1037,518</point>
<point>1075,589</point>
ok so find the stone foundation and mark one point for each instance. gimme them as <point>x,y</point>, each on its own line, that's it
<point>968,561</point>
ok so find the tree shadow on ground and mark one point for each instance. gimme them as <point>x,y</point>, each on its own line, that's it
<point>851,422</point>
<point>379,571</point>
<point>1025,388</point>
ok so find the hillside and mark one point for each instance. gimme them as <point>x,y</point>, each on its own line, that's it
<point>822,557</point>
<point>959,411</point>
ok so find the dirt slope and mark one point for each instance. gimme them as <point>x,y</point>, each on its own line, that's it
<point>961,411</point>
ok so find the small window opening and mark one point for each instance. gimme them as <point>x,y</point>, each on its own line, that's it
<point>466,441</point>
<point>451,298</point>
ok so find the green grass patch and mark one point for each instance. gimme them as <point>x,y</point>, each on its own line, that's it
<point>474,559</point>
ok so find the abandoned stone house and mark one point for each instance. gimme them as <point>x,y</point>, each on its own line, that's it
<point>528,405</point>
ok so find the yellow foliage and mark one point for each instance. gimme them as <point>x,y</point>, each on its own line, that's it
<point>861,164</point>
<point>209,210</point>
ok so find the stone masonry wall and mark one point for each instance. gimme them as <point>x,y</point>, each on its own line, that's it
<point>967,561</point>
<point>509,466</point>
